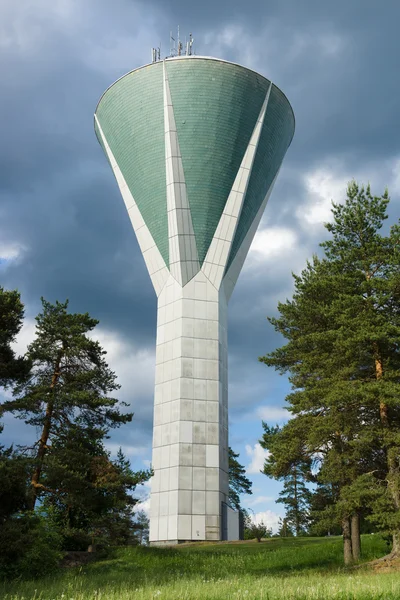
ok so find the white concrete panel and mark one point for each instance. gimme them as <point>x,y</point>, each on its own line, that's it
<point>163,503</point>
<point>212,413</point>
<point>164,480</point>
<point>153,534</point>
<point>199,455</point>
<point>199,478</point>
<point>184,527</point>
<point>173,502</point>
<point>154,505</point>
<point>200,389</point>
<point>165,457</point>
<point>185,502</point>
<point>199,433</point>
<point>185,478</point>
<point>198,527</point>
<point>155,481</point>
<point>212,478</point>
<point>212,503</point>
<point>163,528</point>
<point>173,527</point>
<point>212,433</point>
<point>198,502</point>
<point>212,455</point>
<point>174,477</point>
<point>199,410</point>
<point>185,455</point>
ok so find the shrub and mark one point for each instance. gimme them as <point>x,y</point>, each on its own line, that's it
<point>30,546</point>
<point>257,531</point>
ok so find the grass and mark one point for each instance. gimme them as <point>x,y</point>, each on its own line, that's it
<point>276,569</point>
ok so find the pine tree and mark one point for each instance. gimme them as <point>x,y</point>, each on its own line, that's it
<point>66,393</point>
<point>238,482</point>
<point>342,356</point>
<point>12,368</point>
<point>288,462</point>
<point>296,498</point>
<point>142,527</point>
<point>285,529</point>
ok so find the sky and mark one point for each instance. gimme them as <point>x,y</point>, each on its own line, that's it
<point>64,230</point>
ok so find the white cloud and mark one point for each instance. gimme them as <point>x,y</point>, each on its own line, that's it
<point>328,182</point>
<point>10,251</point>
<point>259,500</point>
<point>258,456</point>
<point>270,243</point>
<point>143,493</point>
<point>133,366</point>
<point>272,414</point>
<point>143,506</point>
<point>322,185</point>
<point>129,451</point>
<point>269,518</point>
<point>25,336</point>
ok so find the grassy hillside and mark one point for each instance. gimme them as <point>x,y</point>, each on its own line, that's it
<point>305,568</point>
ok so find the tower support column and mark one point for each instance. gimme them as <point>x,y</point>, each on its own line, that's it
<point>190,442</point>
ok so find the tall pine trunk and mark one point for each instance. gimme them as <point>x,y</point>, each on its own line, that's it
<point>355,537</point>
<point>393,475</point>
<point>296,500</point>
<point>44,438</point>
<point>347,550</point>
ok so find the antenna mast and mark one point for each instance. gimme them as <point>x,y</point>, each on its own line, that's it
<point>176,48</point>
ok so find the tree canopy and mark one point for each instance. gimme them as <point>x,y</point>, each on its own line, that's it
<point>342,331</point>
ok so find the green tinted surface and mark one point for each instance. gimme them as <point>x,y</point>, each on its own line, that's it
<point>276,135</point>
<point>131,115</point>
<point>216,106</point>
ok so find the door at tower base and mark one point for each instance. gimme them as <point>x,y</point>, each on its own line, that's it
<point>195,144</point>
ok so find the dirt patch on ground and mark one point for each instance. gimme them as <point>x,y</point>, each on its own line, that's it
<point>387,565</point>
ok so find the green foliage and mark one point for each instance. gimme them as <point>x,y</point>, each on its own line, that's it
<point>142,527</point>
<point>342,329</point>
<point>66,394</point>
<point>256,530</point>
<point>14,472</point>
<point>86,497</point>
<point>90,493</point>
<point>30,546</point>
<point>293,468</point>
<point>238,482</point>
<point>12,368</point>
<point>285,528</point>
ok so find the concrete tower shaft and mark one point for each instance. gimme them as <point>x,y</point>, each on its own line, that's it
<point>195,145</point>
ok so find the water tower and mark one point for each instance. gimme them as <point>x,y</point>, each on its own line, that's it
<point>195,144</point>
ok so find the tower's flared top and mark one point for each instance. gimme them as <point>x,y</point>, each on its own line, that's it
<point>214,106</point>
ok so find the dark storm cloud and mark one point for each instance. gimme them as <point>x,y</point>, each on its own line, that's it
<point>337,63</point>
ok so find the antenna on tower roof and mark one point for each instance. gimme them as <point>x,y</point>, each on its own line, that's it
<point>172,50</point>
<point>179,44</point>
<point>176,48</point>
<point>189,45</point>
<point>156,54</point>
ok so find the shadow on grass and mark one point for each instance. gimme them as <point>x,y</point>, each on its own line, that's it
<point>162,565</point>
<point>129,568</point>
